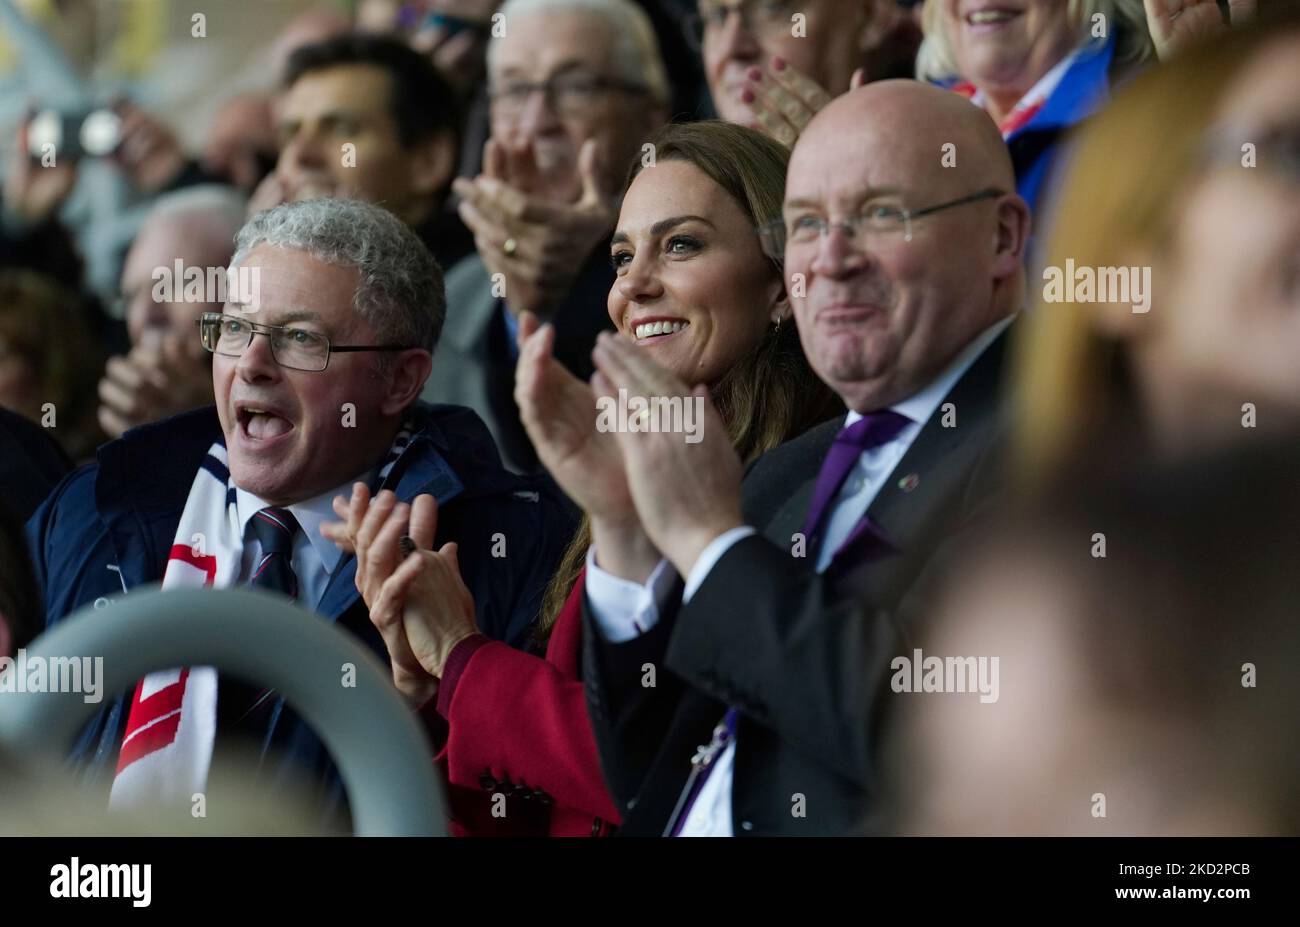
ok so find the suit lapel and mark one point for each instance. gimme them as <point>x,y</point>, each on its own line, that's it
<point>788,520</point>
<point>798,465</point>
<point>420,469</point>
<point>938,462</point>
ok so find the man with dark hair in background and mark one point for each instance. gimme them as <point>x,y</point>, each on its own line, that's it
<point>365,116</point>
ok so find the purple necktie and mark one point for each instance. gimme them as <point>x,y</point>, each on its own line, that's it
<point>872,430</point>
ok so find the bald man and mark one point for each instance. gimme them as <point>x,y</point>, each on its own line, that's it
<point>904,241</point>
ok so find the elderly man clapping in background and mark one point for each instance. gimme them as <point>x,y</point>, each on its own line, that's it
<point>577,87</point>
<point>167,370</point>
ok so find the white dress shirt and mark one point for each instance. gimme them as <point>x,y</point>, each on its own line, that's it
<point>622,610</point>
<point>315,557</point>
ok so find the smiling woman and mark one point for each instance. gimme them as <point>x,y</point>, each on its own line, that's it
<point>694,288</point>
<point>1036,66</point>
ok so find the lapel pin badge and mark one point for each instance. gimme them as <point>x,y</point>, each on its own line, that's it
<point>909,482</point>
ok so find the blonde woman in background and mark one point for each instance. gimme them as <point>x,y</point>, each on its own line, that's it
<point>1037,67</point>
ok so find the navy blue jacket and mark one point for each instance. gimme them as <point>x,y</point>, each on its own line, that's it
<point>108,528</point>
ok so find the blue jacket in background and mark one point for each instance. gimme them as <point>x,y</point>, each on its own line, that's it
<point>1083,89</point>
<point>107,529</point>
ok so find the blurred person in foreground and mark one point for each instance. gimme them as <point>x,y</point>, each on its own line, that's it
<point>1150,581</point>
<point>39,799</point>
<point>1037,67</point>
<point>1151,691</point>
<point>770,70</point>
<point>577,88</point>
<point>50,360</point>
<point>904,277</point>
<point>316,388</point>
<point>1191,339</point>
<point>174,272</point>
<point>695,289</point>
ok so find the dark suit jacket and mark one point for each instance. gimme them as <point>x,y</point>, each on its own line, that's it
<point>802,655</point>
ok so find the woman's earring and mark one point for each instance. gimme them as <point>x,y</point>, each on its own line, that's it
<point>777,329</point>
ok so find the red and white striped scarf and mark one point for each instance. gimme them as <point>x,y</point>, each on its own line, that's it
<point>171,725</point>
<point>172,722</point>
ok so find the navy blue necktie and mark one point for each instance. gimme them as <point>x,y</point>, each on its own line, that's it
<point>241,705</point>
<point>274,529</point>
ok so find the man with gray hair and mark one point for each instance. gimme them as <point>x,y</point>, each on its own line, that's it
<point>576,87</point>
<point>316,373</point>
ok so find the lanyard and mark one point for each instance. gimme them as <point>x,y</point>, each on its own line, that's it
<point>701,767</point>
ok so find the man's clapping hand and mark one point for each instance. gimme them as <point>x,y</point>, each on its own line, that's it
<point>159,378</point>
<point>537,244</point>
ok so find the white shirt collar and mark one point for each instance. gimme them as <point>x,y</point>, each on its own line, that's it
<point>311,513</point>
<point>921,405</point>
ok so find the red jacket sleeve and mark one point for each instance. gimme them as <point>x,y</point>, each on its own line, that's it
<point>520,718</point>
